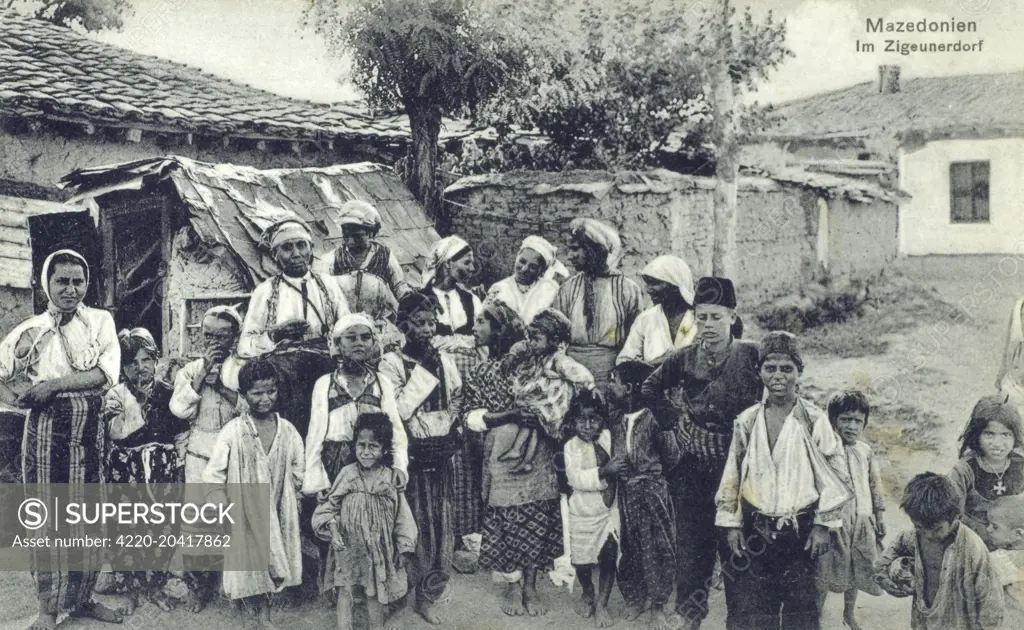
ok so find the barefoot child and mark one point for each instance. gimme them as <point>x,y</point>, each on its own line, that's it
<point>643,451</point>
<point>990,465</point>
<point>952,570</point>
<point>261,447</point>
<point>544,382</point>
<point>368,523</point>
<point>849,566</point>
<point>593,513</point>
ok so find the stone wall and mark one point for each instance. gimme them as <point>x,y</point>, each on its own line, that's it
<point>15,306</point>
<point>657,213</point>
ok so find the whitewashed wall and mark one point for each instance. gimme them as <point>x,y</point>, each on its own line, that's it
<point>925,226</point>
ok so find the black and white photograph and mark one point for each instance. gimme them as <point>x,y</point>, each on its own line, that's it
<point>512,314</point>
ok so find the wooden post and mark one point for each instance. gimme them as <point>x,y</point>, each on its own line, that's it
<point>726,148</point>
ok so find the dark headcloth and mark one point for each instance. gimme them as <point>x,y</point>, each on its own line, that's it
<point>716,292</point>
<point>554,324</point>
<point>413,303</point>
<point>781,342</point>
<point>510,325</point>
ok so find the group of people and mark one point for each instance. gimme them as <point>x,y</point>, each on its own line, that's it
<point>550,423</point>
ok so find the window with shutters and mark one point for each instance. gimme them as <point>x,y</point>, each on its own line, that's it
<point>968,192</point>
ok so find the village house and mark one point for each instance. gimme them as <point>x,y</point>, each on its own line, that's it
<point>955,144</point>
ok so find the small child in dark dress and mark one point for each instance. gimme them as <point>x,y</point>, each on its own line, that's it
<point>642,450</point>
<point>991,465</point>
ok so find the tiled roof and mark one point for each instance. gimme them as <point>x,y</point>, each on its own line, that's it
<point>970,105</point>
<point>232,205</point>
<point>15,249</point>
<point>52,72</point>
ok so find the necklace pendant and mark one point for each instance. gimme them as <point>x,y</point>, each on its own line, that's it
<point>999,488</point>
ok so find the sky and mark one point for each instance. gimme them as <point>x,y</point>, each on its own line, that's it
<point>264,44</point>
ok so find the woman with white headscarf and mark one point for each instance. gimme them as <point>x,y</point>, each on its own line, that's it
<point>670,323</point>
<point>532,288</point>
<point>599,301</point>
<point>450,269</point>
<point>70,354</point>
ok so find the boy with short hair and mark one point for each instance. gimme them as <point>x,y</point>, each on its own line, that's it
<point>953,576</point>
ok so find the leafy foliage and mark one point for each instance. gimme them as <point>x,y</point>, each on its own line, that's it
<point>619,85</point>
<point>89,15</point>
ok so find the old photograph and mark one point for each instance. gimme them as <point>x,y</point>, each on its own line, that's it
<point>494,314</point>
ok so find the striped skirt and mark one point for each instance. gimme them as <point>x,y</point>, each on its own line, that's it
<point>64,443</point>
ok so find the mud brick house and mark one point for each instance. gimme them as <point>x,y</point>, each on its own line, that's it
<point>955,144</point>
<point>791,229</point>
<point>176,236</point>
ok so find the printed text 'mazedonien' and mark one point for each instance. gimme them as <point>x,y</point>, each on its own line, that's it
<point>952,25</point>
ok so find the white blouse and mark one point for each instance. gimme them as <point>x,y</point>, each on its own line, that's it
<point>255,338</point>
<point>540,296</point>
<point>38,351</point>
<point>649,337</point>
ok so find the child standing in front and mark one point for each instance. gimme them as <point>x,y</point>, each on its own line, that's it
<point>544,381</point>
<point>642,451</point>
<point>593,513</point>
<point>261,447</point>
<point>368,523</point>
<point>952,573</point>
<point>1006,532</point>
<point>990,465</point>
<point>849,566</point>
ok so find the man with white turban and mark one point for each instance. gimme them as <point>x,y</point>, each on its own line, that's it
<point>289,318</point>
<point>532,287</point>
<point>360,257</point>
<point>599,301</point>
<point>670,323</point>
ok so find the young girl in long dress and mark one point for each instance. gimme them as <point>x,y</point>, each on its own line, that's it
<point>991,465</point>
<point>369,524</point>
<point>261,447</point>
<point>849,566</point>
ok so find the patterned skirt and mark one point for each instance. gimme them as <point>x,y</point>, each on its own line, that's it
<point>467,486</point>
<point>522,536</point>
<point>63,442</point>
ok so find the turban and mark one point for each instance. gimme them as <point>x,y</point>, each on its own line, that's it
<point>716,292</point>
<point>601,234</point>
<point>780,342</point>
<point>444,250</point>
<point>225,312</point>
<point>674,271</point>
<point>290,230</point>
<point>358,212</point>
<point>508,322</point>
<point>347,322</point>
<point>547,252</point>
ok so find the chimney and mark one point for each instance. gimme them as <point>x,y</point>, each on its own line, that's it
<point>888,79</point>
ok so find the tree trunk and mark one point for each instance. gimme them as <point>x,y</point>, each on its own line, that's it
<point>421,177</point>
<point>727,159</point>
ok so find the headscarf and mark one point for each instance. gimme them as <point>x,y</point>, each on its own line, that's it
<point>44,279</point>
<point>780,342</point>
<point>553,324</point>
<point>444,250</point>
<point>287,230</point>
<point>229,312</point>
<point>357,212</point>
<point>601,234</point>
<point>345,323</point>
<point>134,340</point>
<point>674,271</point>
<point>547,252</point>
<point>510,325</point>
<point>413,303</point>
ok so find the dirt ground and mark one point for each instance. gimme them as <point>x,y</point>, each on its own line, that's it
<point>925,354</point>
